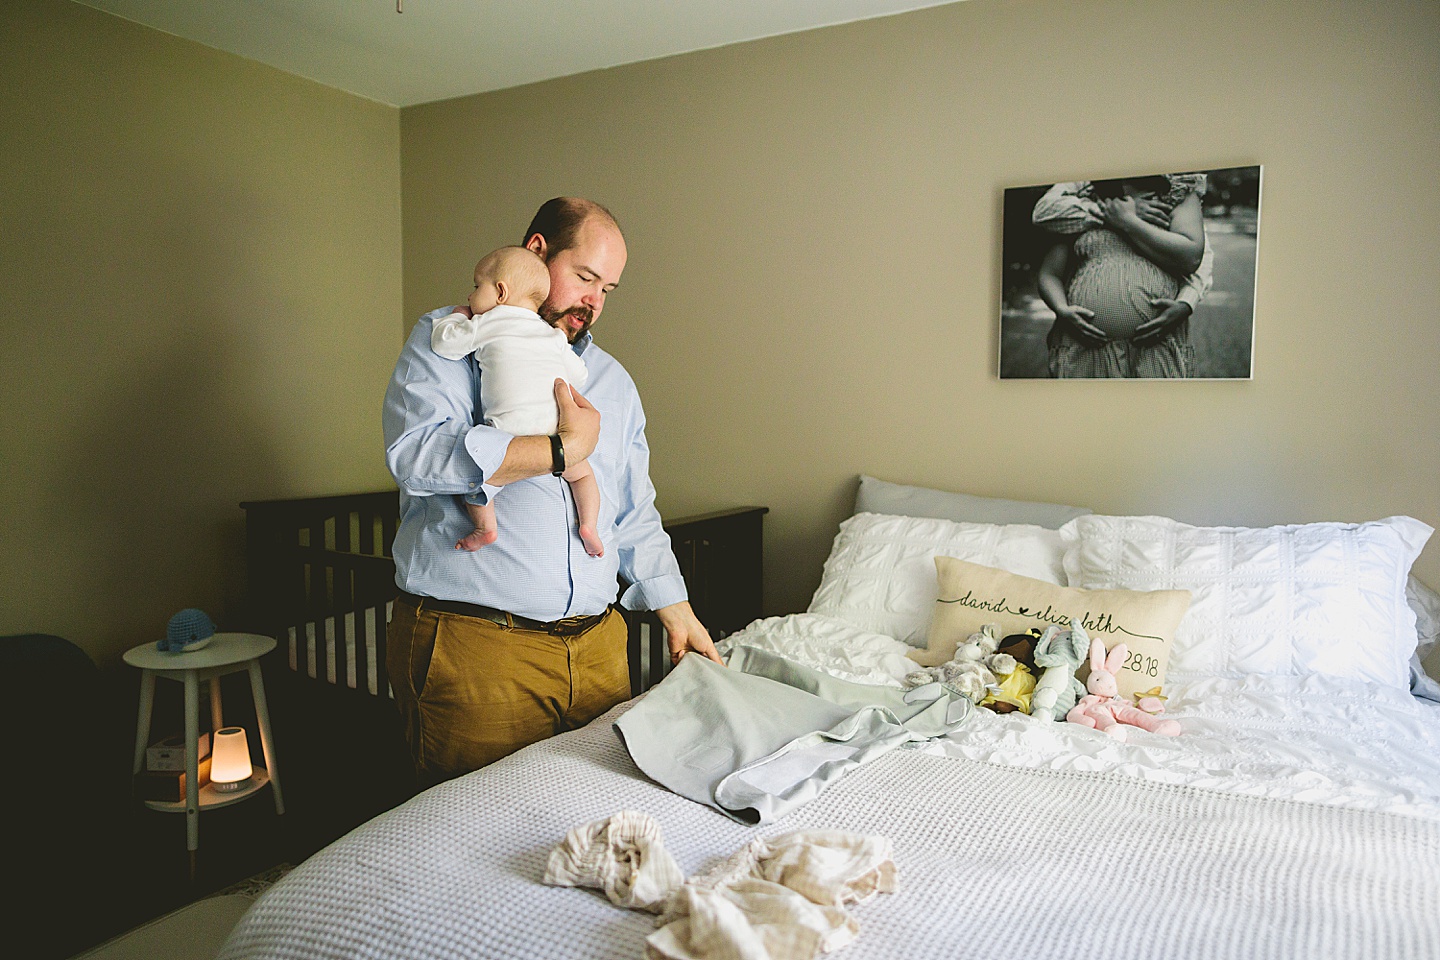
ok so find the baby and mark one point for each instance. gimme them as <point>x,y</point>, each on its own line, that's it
<point>520,358</point>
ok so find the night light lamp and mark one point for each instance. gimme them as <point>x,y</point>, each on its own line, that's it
<point>230,760</point>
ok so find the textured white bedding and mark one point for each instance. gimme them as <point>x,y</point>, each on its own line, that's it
<point>1293,818</point>
<point>994,862</point>
<point>1317,738</point>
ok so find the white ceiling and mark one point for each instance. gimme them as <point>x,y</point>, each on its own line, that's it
<point>438,49</point>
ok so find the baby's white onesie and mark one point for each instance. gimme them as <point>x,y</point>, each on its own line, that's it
<point>520,357</point>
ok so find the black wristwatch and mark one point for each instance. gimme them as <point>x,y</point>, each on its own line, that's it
<point>557,455</point>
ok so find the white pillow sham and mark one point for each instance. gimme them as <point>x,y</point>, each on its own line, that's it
<point>880,575</point>
<point>1293,600</point>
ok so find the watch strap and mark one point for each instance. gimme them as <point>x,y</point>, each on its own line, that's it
<point>557,455</point>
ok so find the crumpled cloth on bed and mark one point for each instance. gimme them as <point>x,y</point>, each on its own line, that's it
<point>778,897</point>
<point>621,855</point>
<point>767,735</point>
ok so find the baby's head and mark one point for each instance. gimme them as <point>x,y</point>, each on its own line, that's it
<point>510,275</point>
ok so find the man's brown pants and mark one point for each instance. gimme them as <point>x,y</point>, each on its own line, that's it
<point>471,691</point>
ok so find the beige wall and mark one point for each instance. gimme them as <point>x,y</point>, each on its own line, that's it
<point>202,275</point>
<point>814,234</point>
<point>200,286</point>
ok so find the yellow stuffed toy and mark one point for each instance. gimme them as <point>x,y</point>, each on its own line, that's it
<point>1012,692</point>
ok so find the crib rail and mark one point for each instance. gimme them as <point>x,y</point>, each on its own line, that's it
<point>321,578</point>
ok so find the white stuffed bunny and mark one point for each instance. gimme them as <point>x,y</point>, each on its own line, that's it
<point>1102,708</point>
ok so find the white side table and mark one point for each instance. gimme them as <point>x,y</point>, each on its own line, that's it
<point>227,653</point>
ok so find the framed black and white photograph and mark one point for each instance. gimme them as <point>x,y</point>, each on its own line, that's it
<point>1147,277</point>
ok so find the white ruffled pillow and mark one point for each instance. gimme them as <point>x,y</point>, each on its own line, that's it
<point>880,575</point>
<point>1306,598</point>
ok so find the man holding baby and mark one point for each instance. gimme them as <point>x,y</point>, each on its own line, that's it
<point>495,648</point>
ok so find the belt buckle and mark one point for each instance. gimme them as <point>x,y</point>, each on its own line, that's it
<point>568,627</point>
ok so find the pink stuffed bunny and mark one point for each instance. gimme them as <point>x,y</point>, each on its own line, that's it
<point>1103,709</point>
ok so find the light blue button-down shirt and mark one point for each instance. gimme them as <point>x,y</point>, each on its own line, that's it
<point>439,449</point>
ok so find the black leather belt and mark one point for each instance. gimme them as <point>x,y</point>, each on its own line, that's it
<point>569,627</point>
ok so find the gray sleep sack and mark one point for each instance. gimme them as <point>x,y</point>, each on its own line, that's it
<point>766,735</point>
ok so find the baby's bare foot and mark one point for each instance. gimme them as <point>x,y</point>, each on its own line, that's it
<point>477,539</point>
<point>591,539</point>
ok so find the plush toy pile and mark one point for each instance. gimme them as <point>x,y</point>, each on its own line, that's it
<point>998,672</point>
<point>975,670</point>
<point>1034,673</point>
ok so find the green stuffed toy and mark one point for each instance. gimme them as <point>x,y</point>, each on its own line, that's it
<point>1058,654</point>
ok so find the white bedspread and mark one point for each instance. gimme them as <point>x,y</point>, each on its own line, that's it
<point>1317,739</point>
<point>1294,819</point>
<point>994,862</point>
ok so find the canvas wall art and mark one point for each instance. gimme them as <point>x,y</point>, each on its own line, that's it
<point>1146,277</point>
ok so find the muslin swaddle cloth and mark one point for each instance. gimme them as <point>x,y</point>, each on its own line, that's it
<point>621,855</point>
<point>778,897</point>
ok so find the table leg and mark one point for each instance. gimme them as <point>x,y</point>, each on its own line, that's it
<point>217,716</point>
<point>267,742</point>
<point>142,719</point>
<point>192,762</point>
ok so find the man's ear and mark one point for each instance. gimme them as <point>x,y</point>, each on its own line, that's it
<point>536,245</point>
<point>502,292</point>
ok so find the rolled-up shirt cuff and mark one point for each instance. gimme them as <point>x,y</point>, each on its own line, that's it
<point>655,593</point>
<point>486,446</point>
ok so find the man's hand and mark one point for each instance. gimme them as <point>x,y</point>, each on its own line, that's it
<point>684,632</point>
<point>1153,211</point>
<point>1079,320</point>
<point>1119,213</point>
<point>1122,213</point>
<point>579,423</point>
<point>1171,313</point>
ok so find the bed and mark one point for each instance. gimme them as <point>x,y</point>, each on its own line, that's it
<point>1296,815</point>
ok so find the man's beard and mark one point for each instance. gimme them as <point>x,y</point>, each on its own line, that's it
<point>557,319</point>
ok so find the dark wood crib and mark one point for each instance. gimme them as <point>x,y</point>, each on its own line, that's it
<point>321,580</point>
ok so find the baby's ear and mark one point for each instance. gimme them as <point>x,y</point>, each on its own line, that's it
<point>502,291</point>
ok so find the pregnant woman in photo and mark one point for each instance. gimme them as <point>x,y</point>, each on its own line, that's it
<point>1121,276</point>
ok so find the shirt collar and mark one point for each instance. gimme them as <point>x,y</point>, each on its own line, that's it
<point>580,345</point>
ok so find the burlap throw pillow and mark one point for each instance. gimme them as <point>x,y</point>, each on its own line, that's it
<point>971,595</point>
